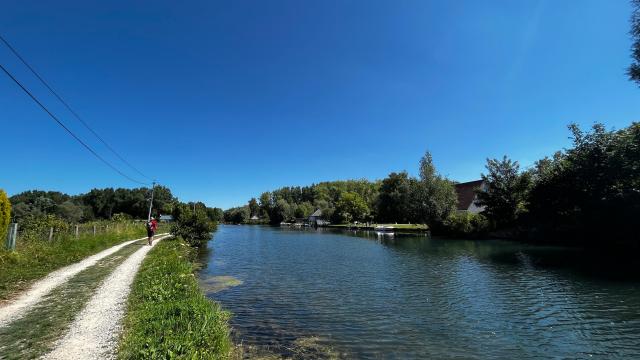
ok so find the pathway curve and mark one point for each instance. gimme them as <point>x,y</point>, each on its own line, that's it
<point>94,332</point>
<point>16,308</point>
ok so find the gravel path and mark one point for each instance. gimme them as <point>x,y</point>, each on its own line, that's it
<point>16,308</point>
<point>94,332</point>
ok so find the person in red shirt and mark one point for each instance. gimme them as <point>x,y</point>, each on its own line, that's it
<point>152,226</point>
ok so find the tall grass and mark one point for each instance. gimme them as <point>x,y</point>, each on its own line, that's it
<point>168,317</point>
<point>33,259</point>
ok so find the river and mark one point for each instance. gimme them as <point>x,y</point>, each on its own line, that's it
<point>319,293</point>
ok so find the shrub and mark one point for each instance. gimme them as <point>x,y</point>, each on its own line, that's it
<point>37,227</point>
<point>466,224</point>
<point>5,214</point>
<point>194,227</point>
<point>121,217</point>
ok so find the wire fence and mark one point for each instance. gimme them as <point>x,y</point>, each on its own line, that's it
<point>64,231</point>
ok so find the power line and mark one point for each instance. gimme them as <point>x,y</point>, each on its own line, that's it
<point>15,52</point>
<point>67,129</point>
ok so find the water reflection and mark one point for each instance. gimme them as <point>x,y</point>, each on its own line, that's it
<point>363,295</point>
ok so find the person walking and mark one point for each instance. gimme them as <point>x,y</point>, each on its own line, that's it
<point>152,226</point>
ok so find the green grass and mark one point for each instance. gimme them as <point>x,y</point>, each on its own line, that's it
<point>168,317</point>
<point>33,335</point>
<point>33,260</point>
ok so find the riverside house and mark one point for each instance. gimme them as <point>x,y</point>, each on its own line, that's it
<point>315,219</point>
<point>467,196</point>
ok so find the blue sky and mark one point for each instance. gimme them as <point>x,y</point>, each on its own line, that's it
<point>222,100</point>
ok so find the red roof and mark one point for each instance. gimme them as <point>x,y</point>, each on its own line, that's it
<point>467,193</point>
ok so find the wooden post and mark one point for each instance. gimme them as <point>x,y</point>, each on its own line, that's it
<point>77,226</point>
<point>11,236</point>
<point>51,233</point>
<point>94,230</point>
<point>107,229</point>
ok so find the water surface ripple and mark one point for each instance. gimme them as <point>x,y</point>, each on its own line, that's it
<point>408,297</point>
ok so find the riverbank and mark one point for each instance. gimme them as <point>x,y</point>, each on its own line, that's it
<point>167,314</point>
<point>411,228</point>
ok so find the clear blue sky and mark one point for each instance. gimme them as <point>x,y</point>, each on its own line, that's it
<point>222,100</point>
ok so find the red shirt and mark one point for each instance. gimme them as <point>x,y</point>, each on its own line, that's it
<point>154,225</point>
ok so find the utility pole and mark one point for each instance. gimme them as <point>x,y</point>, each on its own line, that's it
<point>153,187</point>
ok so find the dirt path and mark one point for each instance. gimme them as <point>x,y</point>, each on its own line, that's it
<point>16,308</point>
<point>94,332</point>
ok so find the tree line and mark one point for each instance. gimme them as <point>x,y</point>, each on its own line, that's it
<point>427,199</point>
<point>100,204</point>
<point>35,209</point>
<point>586,194</point>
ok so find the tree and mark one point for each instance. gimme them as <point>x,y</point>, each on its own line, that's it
<point>434,197</point>
<point>282,211</point>
<point>254,208</point>
<point>351,207</point>
<point>237,215</point>
<point>193,226</point>
<point>506,191</point>
<point>590,191</point>
<point>5,214</point>
<point>215,214</point>
<point>70,211</point>
<point>394,201</point>
<point>634,68</point>
<point>163,200</point>
<point>265,206</point>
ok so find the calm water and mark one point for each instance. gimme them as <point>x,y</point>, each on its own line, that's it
<point>409,297</point>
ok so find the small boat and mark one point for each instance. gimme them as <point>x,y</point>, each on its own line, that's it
<point>384,228</point>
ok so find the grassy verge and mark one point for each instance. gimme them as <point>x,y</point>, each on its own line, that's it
<point>33,335</point>
<point>33,260</point>
<point>168,317</point>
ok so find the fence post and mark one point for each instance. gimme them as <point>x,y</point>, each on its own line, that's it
<point>51,233</point>
<point>77,231</point>
<point>94,230</point>
<point>107,229</point>
<point>11,236</point>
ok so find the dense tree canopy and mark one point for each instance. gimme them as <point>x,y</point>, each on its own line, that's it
<point>394,202</point>
<point>634,68</point>
<point>397,198</point>
<point>588,194</point>
<point>96,204</point>
<point>592,189</point>
<point>351,207</point>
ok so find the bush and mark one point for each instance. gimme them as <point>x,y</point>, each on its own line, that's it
<point>37,227</point>
<point>5,214</point>
<point>466,224</point>
<point>194,227</point>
